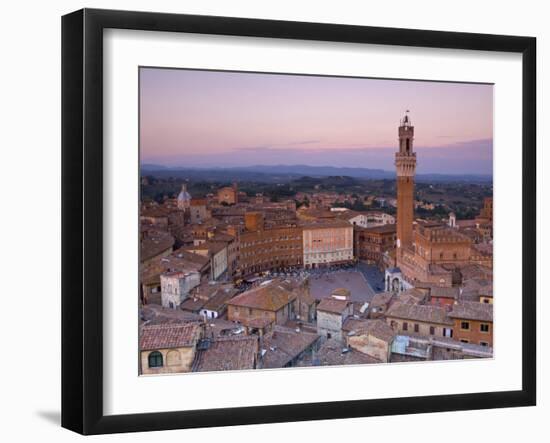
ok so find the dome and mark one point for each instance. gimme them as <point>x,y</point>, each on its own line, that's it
<point>184,198</point>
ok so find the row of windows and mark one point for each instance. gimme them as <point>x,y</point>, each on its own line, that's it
<point>416,328</point>
<point>328,254</point>
<point>465,326</point>
<point>266,250</point>
<point>271,240</point>
<point>482,343</point>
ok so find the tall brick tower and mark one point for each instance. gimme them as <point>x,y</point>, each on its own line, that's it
<point>405,164</point>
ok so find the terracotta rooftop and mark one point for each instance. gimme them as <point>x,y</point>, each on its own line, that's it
<point>168,336</point>
<point>213,247</point>
<point>219,300</point>
<point>270,296</point>
<point>333,353</point>
<point>476,271</point>
<point>380,299</point>
<point>153,243</point>
<point>282,345</point>
<point>156,314</point>
<point>437,291</point>
<point>223,237</point>
<point>326,224</point>
<point>422,313</point>
<point>383,229</point>
<point>155,211</point>
<point>472,311</point>
<point>333,305</point>
<point>192,304</point>
<point>413,296</point>
<point>179,260</point>
<point>227,354</point>
<point>377,328</point>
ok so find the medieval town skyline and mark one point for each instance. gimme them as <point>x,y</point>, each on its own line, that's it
<point>324,271</point>
<point>196,118</point>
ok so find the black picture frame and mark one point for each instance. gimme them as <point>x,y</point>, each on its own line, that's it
<point>82,216</point>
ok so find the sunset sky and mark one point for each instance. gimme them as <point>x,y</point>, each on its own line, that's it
<point>208,118</point>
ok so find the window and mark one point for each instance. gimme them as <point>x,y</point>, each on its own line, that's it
<point>465,325</point>
<point>484,327</point>
<point>416,327</point>
<point>155,359</point>
<point>463,340</point>
<point>483,343</point>
<point>432,330</point>
<point>405,326</point>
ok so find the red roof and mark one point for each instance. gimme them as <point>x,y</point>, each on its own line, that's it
<point>168,336</point>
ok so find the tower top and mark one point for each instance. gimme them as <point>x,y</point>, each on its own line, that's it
<point>406,120</point>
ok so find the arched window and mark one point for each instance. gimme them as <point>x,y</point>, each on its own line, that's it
<point>155,359</point>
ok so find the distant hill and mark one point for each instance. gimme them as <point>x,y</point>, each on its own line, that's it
<point>319,171</point>
<point>282,173</point>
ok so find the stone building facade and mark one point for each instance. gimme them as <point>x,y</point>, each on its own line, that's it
<point>265,249</point>
<point>198,210</point>
<point>228,195</point>
<point>175,287</point>
<point>168,348</point>
<point>473,323</point>
<point>370,244</point>
<point>327,242</point>
<point>331,315</point>
<point>426,320</point>
<point>259,308</point>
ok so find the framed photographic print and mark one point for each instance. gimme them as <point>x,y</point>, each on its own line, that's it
<point>268,221</point>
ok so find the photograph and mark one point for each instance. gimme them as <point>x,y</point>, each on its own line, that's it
<point>299,220</point>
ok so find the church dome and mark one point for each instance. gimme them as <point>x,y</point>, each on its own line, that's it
<point>184,198</point>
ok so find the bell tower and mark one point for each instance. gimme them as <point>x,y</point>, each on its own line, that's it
<point>405,164</point>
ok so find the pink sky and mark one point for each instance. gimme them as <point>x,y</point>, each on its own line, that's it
<point>211,118</point>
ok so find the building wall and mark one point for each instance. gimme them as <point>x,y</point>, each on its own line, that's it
<point>164,253</point>
<point>175,288</point>
<point>405,210</point>
<point>327,245</point>
<point>329,323</point>
<point>370,345</point>
<point>174,359</point>
<point>270,249</point>
<point>227,195</point>
<point>444,250</point>
<point>219,263</point>
<point>473,334</point>
<point>370,246</point>
<point>416,268</point>
<point>423,328</point>
<point>198,213</point>
<point>244,315</point>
